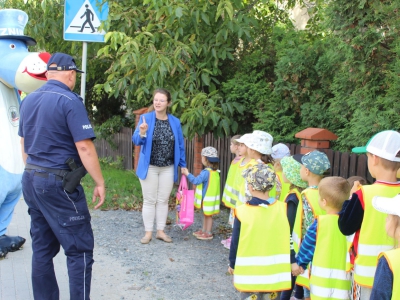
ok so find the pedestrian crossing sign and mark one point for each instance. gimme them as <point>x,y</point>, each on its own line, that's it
<point>82,20</point>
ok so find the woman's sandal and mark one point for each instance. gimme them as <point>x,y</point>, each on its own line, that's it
<point>145,240</point>
<point>166,238</point>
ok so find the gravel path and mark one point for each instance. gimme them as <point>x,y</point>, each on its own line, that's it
<point>185,269</point>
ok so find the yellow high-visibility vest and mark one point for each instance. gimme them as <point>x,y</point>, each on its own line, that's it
<point>282,188</point>
<point>373,238</point>
<point>240,181</point>
<point>312,196</point>
<point>211,201</point>
<point>329,277</point>
<point>393,259</point>
<point>231,192</point>
<point>263,255</point>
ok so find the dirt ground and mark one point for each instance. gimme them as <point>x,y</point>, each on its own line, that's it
<point>185,269</point>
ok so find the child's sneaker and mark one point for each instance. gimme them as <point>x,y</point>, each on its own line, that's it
<point>198,232</point>
<point>205,236</point>
<point>227,242</point>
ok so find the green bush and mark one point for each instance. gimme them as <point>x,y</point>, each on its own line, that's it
<point>123,190</point>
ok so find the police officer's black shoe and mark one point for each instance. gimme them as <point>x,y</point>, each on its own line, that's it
<point>11,243</point>
<point>3,252</point>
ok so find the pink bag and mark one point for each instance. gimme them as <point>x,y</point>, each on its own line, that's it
<point>184,205</point>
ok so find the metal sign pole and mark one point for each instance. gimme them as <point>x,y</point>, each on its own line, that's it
<point>83,75</point>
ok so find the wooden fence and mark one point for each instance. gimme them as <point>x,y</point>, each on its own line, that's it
<point>342,164</point>
<point>124,147</point>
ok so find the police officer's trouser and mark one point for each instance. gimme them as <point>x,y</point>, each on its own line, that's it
<point>58,218</point>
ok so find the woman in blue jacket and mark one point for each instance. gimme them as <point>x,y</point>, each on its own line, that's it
<point>162,150</point>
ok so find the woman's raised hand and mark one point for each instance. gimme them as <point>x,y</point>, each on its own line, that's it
<point>143,127</point>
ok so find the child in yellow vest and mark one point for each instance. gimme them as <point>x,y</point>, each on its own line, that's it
<point>314,166</point>
<point>207,190</point>
<point>280,151</point>
<point>259,256</point>
<point>244,163</point>
<point>325,247</point>
<point>387,277</point>
<point>259,148</point>
<point>230,194</point>
<point>357,214</point>
<point>291,176</point>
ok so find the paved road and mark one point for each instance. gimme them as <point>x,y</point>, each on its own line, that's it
<point>15,269</point>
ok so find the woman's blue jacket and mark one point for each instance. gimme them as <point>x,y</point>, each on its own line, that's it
<point>146,144</point>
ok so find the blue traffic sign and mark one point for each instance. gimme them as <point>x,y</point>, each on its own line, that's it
<point>82,19</point>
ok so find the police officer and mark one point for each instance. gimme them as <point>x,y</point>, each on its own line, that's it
<point>54,127</point>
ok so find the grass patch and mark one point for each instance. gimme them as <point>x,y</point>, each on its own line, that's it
<point>123,190</point>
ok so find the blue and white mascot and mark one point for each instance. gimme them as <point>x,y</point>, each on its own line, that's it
<point>20,70</point>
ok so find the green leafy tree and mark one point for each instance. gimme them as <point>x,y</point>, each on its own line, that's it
<point>184,46</point>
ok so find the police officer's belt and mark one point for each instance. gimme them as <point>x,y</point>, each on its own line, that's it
<point>57,172</point>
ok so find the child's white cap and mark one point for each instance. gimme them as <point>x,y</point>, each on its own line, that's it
<point>260,141</point>
<point>211,153</point>
<point>280,151</point>
<point>385,144</point>
<point>244,138</point>
<point>386,205</point>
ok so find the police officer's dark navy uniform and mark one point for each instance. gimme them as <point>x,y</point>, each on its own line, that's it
<point>53,119</point>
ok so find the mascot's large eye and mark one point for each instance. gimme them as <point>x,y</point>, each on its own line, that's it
<point>12,46</point>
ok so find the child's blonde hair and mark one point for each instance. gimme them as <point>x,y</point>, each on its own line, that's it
<point>335,190</point>
<point>234,138</point>
<point>389,165</point>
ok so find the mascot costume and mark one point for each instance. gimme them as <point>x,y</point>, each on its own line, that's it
<point>20,70</point>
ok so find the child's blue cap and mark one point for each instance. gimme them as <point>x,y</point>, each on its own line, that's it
<point>317,162</point>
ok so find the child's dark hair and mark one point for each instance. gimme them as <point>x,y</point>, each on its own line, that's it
<point>213,165</point>
<point>293,186</point>
<point>267,159</point>
<point>360,179</point>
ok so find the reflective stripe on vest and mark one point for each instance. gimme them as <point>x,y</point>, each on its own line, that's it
<point>327,293</point>
<point>295,237</point>
<point>230,193</point>
<point>258,266</point>
<point>349,239</point>
<point>393,259</point>
<point>211,201</point>
<point>373,238</point>
<point>262,260</point>
<point>312,196</point>
<point>328,272</point>
<point>261,280</point>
